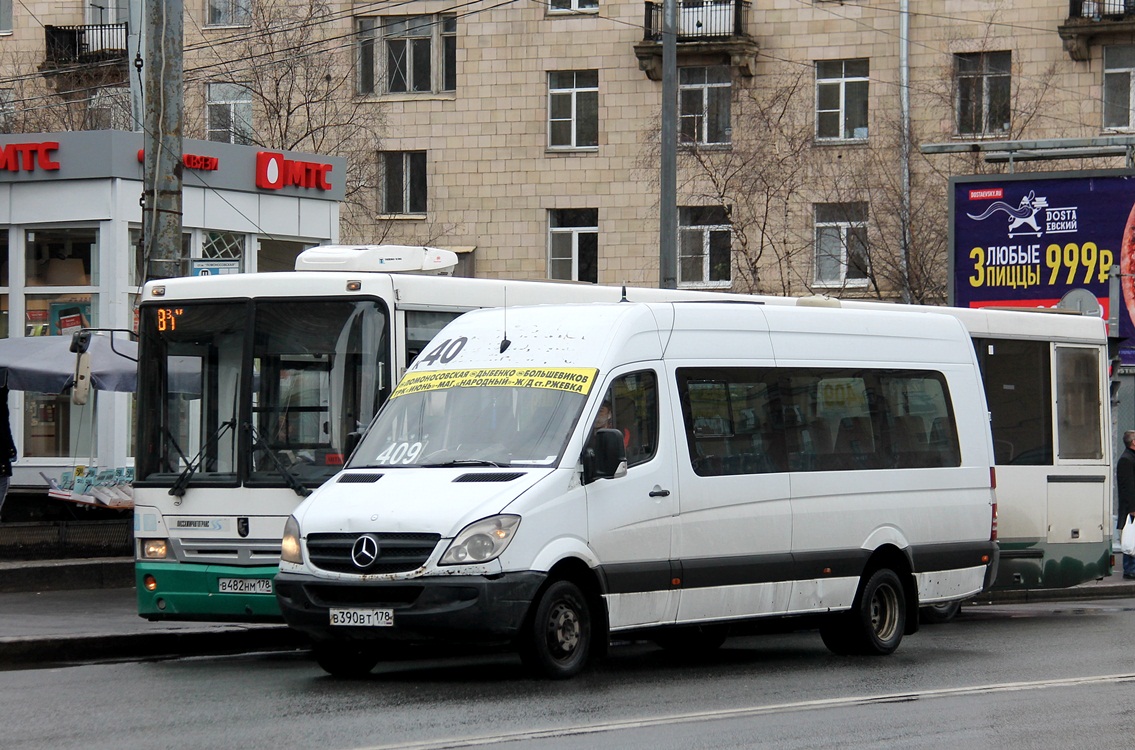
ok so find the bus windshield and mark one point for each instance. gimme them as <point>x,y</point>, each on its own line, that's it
<point>257,392</point>
<point>462,426</point>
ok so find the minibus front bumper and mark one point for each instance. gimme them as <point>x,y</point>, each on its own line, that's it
<point>475,609</point>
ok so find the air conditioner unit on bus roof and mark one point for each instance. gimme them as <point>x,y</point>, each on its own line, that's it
<point>378,258</point>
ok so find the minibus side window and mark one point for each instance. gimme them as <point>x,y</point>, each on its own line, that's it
<point>633,400</point>
<point>729,421</point>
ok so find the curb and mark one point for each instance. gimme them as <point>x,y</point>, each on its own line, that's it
<point>88,648</point>
<point>67,575</point>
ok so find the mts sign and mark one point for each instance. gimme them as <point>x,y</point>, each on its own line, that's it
<point>273,172</point>
<point>27,156</point>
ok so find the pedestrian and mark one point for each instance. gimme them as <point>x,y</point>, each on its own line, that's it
<point>1125,482</point>
<point>7,448</point>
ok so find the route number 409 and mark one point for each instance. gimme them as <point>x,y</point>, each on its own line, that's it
<point>400,453</point>
<point>445,352</point>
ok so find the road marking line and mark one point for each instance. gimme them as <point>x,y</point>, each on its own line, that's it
<point>733,713</point>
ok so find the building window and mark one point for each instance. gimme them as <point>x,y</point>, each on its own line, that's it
<point>7,110</point>
<point>573,109</point>
<point>230,13</point>
<point>983,95</point>
<point>109,109</point>
<point>704,239</point>
<point>841,99</point>
<point>1118,79</point>
<point>404,182</point>
<point>704,97</point>
<point>223,246</point>
<point>841,244</point>
<point>5,16</point>
<point>573,6</point>
<point>230,113</point>
<point>573,244</point>
<point>418,54</point>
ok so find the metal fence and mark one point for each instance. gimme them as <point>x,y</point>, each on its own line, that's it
<point>1098,10</point>
<point>711,19</point>
<point>56,540</point>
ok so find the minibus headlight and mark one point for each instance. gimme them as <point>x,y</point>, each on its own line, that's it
<point>290,545</point>
<point>481,541</point>
<point>155,549</point>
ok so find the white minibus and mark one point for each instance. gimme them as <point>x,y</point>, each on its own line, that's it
<point>549,477</point>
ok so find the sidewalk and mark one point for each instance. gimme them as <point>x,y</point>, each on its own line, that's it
<point>84,610</point>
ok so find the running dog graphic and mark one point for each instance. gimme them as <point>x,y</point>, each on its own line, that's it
<point>1023,214</point>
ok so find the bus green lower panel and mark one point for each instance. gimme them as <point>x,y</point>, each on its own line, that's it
<point>192,592</point>
<point>1039,565</point>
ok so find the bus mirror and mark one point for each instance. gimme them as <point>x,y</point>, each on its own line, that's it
<point>605,456</point>
<point>352,442</point>
<point>81,389</point>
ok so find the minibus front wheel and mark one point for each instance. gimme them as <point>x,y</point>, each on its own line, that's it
<point>346,659</point>
<point>876,621</point>
<point>556,641</point>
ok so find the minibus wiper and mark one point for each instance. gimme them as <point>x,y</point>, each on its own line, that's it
<point>290,479</point>
<point>464,462</point>
<point>182,481</point>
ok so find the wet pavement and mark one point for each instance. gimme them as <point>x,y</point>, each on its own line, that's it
<point>54,612</point>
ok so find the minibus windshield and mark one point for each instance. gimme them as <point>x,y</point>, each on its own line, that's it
<point>478,426</point>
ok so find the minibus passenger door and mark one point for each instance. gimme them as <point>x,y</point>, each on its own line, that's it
<point>630,516</point>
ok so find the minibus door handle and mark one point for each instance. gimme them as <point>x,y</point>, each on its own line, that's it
<point>659,492</point>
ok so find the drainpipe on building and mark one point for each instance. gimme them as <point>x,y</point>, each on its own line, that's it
<point>904,106</point>
<point>668,192</point>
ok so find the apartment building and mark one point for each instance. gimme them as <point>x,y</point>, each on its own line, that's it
<point>525,135</point>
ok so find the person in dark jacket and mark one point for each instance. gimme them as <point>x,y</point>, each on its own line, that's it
<point>1125,483</point>
<point>7,448</point>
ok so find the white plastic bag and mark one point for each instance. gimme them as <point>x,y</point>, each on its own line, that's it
<point>1127,540</point>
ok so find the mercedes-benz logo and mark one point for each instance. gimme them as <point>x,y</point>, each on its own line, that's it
<point>365,551</point>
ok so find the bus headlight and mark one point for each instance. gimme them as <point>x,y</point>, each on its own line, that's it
<point>155,549</point>
<point>481,541</point>
<point>290,545</point>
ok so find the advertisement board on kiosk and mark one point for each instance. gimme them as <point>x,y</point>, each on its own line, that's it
<point>1030,240</point>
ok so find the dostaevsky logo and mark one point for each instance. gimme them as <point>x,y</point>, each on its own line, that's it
<point>1031,217</point>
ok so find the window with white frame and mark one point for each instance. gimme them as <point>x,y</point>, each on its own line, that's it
<point>983,92</point>
<point>109,109</point>
<point>841,99</point>
<point>5,16</point>
<point>704,95</point>
<point>407,54</point>
<point>841,244</point>
<point>704,242</point>
<point>404,182</point>
<point>1118,82</point>
<point>573,109</point>
<point>573,244</point>
<point>229,113</point>
<point>573,6</point>
<point>229,13</point>
<point>229,246</point>
<point>7,110</point>
<point>108,11</point>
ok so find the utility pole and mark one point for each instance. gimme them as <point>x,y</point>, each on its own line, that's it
<point>162,74</point>
<point>668,193</point>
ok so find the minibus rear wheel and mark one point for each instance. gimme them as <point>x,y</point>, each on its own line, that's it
<point>557,640</point>
<point>876,621</point>
<point>345,659</point>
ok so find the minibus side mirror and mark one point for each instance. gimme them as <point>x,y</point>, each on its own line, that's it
<point>352,442</point>
<point>605,456</point>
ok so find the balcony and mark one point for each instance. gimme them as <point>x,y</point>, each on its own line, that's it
<point>708,31</point>
<point>84,45</point>
<point>1091,19</point>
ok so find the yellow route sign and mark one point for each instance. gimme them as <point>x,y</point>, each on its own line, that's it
<point>575,379</point>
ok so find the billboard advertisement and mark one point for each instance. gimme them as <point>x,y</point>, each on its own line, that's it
<point>1029,240</point>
